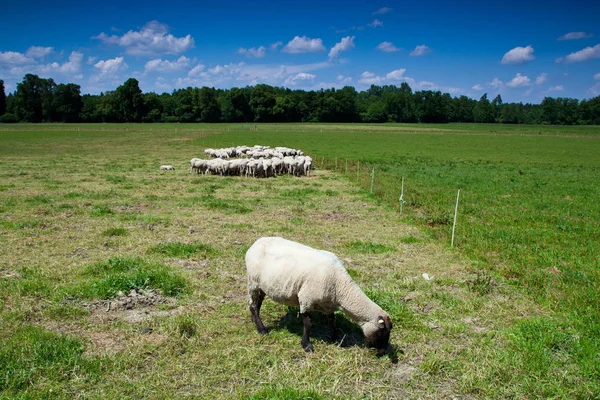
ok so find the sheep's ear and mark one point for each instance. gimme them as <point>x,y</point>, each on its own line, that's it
<point>380,322</point>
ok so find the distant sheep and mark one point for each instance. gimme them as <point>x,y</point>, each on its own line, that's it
<point>257,161</point>
<point>296,275</point>
<point>167,168</point>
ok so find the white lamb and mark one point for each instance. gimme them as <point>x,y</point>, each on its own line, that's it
<point>167,168</point>
<point>296,275</point>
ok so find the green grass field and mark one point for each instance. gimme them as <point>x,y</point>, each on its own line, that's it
<point>119,280</point>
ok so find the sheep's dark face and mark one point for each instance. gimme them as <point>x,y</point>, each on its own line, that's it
<point>377,334</point>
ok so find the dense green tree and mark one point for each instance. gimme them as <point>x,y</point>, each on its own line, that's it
<point>209,105</point>
<point>483,110</point>
<point>108,109</point>
<point>130,102</point>
<point>463,109</point>
<point>377,112</point>
<point>589,111</point>
<point>262,101</point>
<point>2,98</point>
<point>432,106</point>
<point>497,106</point>
<point>67,102</point>
<point>152,107</point>
<point>33,99</point>
<point>90,108</point>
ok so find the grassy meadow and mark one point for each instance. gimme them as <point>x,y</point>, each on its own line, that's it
<point>118,280</point>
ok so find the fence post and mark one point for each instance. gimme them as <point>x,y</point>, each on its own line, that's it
<point>455,212</point>
<point>336,164</point>
<point>372,179</point>
<point>401,199</point>
<point>357,170</point>
<point>346,172</point>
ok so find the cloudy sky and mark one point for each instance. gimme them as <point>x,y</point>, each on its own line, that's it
<point>524,50</point>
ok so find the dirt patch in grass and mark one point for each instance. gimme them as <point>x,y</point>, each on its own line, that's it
<point>336,216</point>
<point>135,208</point>
<point>191,265</point>
<point>136,306</point>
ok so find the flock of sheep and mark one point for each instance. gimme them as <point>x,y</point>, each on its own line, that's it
<point>257,162</point>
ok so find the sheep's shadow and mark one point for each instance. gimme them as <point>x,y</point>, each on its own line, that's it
<point>348,332</point>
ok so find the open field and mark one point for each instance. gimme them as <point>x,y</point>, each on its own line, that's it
<point>86,218</point>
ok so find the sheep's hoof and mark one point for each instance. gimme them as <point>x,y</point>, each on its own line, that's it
<point>262,331</point>
<point>309,348</point>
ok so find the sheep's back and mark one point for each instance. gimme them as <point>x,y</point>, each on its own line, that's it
<point>291,273</point>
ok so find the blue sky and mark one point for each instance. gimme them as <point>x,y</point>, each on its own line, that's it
<point>524,50</point>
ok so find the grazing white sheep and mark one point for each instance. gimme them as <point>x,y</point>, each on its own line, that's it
<point>277,165</point>
<point>296,275</point>
<point>167,168</point>
<point>307,165</point>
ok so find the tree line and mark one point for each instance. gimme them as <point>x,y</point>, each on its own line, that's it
<point>42,100</point>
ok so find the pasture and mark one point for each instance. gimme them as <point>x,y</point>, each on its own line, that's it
<point>119,280</point>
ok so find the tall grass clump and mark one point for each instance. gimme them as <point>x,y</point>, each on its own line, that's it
<point>184,250</point>
<point>362,247</point>
<point>121,274</point>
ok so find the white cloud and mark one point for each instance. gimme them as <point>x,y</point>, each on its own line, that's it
<point>393,77</point>
<point>422,85</point>
<point>243,74</point>
<point>276,45</point>
<point>586,54</point>
<point>396,75</point>
<point>152,39</point>
<point>557,88</point>
<point>109,69</point>
<point>91,60</point>
<point>382,10</point>
<point>496,83</point>
<point>70,68</point>
<point>196,71</point>
<point>519,81</point>
<point>369,78</point>
<point>160,84</point>
<point>345,44</point>
<point>375,23</point>
<point>253,52</point>
<point>14,58</point>
<point>344,79</point>
<point>575,36</point>
<point>541,79</point>
<point>597,76</point>
<point>158,65</point>
<point>518,55</point>
<point>38,51</point>
<point>303,45</point>
<point>477,87</point>
<point>301,76</point>
<point>595,89</point>
<point>420,50</point>
<point>387,47</point>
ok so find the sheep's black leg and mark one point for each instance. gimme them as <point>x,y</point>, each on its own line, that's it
<point>306,344</point>
<point>257,299</point>
<point>332,327</point>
